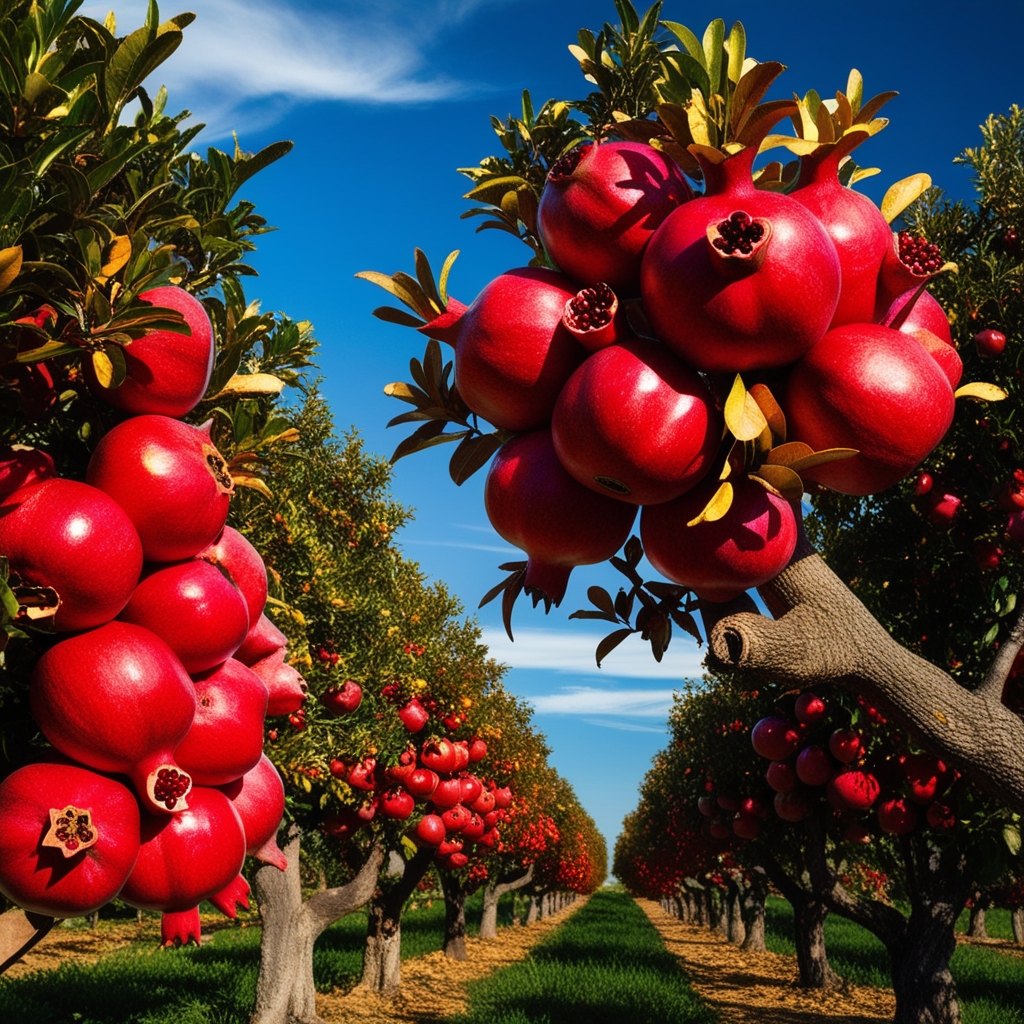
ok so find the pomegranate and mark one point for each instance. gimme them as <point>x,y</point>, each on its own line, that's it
<point>990,343</point>
<point>170,479</point>
<point>484,803</point>
<point>746,827</point>
<point>471,788</point>
<point>455,818</point>
<point>855,832</point>
<point>195,608</point>
<point>814,766</point>
<point>187,857</point>
<point>923,773</point>
<point>917,310</point>
<point>793,805</point>
<point>851,789</point>
<point>397,803</point>
<point>448,793</point>
<point>719,829</point>
<point>595,319</point>
<point>342,700</point>
<point>413,715</point>
<point>22,466</point>
<point>739,278</point>
<point>502,797</point>
<point>781,776</point>
<point>231,551</point>
<point>262,640</point>
<point>235,893</point>
<point>945,355</point>
<point>942,509</point>
<point>512,352</point>
<point>809,709</point>
<point>258,797</point>
<point>909,262</point>
<point>422,782</point>
<point>225,739</point>
<point>430,830</point>
<point>940,817</point>
<point>533,503</point>
<point>864,387</point>
<point>474,828</point>
<point>897,816</point>
<point>845,745</point>
<point>180,927</point>
<point>167,372</point>
<point>285,686</point>
<point>118,700</point>
<point>600,205</point>
<point>343,824</point>
<point>635,423</point>
<point>362,774</point>
<point>775,738</point>
<point>859,232</point>
<point>477,750</point>
<point>69,839</point>
<point>76,539</point>
<point>720,559</point>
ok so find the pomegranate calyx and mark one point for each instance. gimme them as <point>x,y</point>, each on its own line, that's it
<point>233,895</point>
<point>739,243</point>
<point>71,830</point>
<point>445,327</point>
<point>180,927</point>
<point>270,853</point>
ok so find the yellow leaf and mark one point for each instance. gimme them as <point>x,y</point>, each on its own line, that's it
<point>289,436</point>
<point>743,416</point>
<point>717,506</point>
<point>782,480</point>
<point>903,193</point>
<point>800,147</point>
<point>103,368</point>
<point>251,384</point>
<point>981,392</point>
<point>119,252</point>
<point>10,266</point>
<point>773,413</point>
<point>243,478</point>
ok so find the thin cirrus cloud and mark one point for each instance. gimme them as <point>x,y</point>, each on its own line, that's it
<point>589,700</point>
<point>265,56</point>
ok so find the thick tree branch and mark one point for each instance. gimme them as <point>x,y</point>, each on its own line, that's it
<point>516,883</point>
<point>328,905</point>
<point>19,932</point>
<point>991,687</point>
<point>823,634</point>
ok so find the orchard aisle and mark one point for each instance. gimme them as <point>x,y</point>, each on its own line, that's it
<point>757,988</point>
<point>434,987</point>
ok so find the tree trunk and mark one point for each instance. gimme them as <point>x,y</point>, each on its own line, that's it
<point>492,896</point>
<point>1017,920</point>
<point>754,895</point>
<point>533,912</point>
<point>976,924</point>
<point>19,932</point>
<point>382,956</point>
<point>736,928</point>
<point>455,893</point>
<point>718,917</point>
<point>285,992</point>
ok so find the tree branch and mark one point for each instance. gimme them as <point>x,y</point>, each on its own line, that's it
<point>19,932</point>
<point>328,905</point>
<point>517,883</point>
<point>991,687</point>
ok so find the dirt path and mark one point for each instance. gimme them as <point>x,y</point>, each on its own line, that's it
<point>757,988</point>
<point>433,987</point>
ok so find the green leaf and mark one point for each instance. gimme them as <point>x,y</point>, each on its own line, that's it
<point>600,598</point>
<point>492,192</point>
<point>8,601</point>
<point>736,47</point>
<point>245,168</point>
<point>690,42</point>
<point>137,55</point>
<point>714,53</point>
<point>442,285</point>
<point>398,316</point>
<point>1011,836</point>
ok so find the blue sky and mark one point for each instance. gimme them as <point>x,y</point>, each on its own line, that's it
<point>384,99</point>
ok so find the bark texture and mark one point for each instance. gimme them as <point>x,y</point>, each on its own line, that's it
<point>285,993</point>
<point>755,893</point>
<point>822,633</point>
<point>19,932</point>
<point>455,892</point>
<point>492,896</point>
<point>1017,920</point>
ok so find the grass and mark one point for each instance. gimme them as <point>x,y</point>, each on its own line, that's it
<point>212,984</point>
<point>990,984</point>
<point>605,965</point>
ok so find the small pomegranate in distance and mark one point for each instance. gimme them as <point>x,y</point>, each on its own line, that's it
<point>781,776</point>
<point>793,805</point>
<point>990,343</point>
<point>342,700</point>
<point>413,715</point>
<point>943,509</point>
<point>775,738</point>
<point>814,767</point>
<point>600,205</point>
<point>809,709</point>
<point>477,750</point>
<point>987,554</point>
<point>923,484</point>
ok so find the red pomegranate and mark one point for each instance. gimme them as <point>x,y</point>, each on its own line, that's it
<point>746,827</point>
<point>750,545</point>
<point>448,793</point>
<point>781,776</point>
<point>474,828</point>
<point>285,686</point>
<point>195,608</point>
<point>430,830</point>
<point>512,352</point>
<point>455,818</point>
<point>422,782</point>
<point>851,789</point>
<point>187,857</point>
<point>945,355</point>
<point>940,817</point>
<point>225,739</point>
<point>600,205</point>
<point>533,503</point>
<point>775,738</point>
<point>396,803</point>
<point>439,755</point>
<point>413,715</point>
<point>917,310</point>
<point>924,773</point>
<point>814,766</point>
<point>262,640</point>
<point>342,700</point>
<point>635,423</point>
<point>471,787</point>
<point>167,372</point>
<point>258,797</point>
<point>793,805</point>
<point>484,803</point>
<point>22,466</point>
<point>117,699</point>
<point>234,894</point>
<point>809,709</point>
<point>845,745</point>
<point>231,551</point>
<point>477,750</point>
<point>897,816</point>
<point>69,840</point>
<point>858,230</point>
<point>739,278</point>
<point>76,539</point>
<point>170,479</point>
<point>864,387</point>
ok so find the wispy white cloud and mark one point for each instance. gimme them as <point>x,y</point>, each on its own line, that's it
<point>460,544</point>
<point>606,723</point>
<point>266,55</point>
<point>589,700</point>
<point>573,652</point>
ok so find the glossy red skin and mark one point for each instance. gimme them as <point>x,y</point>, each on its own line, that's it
<point>421,783</point>
<point>844,745</point>
<point>397,804</point>
<point>809,709</point>
<point>231,551</point>
<point>947,357</point>
<point>718,317</point>
<point>990,343</point>
<point>361,774</point>
<point>286,689</point>
<point>513,354</point>
<point>814,766</point>
<point>596,221</point>
<point>262,640</point>
<point>534,504</point>
<point>342,700</point>
<point>775,738</point>
<point>439,756</point>
<point>719,560</point>
<point>226,737</point>
<point>474,828</point>
<point>22,466</point>
<point>472,787</point>
<point>635,416</point>
<point>922,772</point>
<point>455,818</point>
<point>852,790</point>
<point>187,857</point>
<point>195,608</point>
<point>448,793</point>
<point>793,805</point>
<point>502,798</point>
<point>430,830</point>
<point>859,232</point>
<point>115,698</point>
<point>414,715</point>
<point>76,539</point>
<point>484,803</point>
<point>864,387</point>
<point>897,817</point>
<point>477,751</point>
<point>167,373</point>
<point>258,797</point>
<point>781,776</point>
<point>926,313</point>
<point>41,879</point>
<point>157,470</point>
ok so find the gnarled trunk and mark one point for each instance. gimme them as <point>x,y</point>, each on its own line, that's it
<point>455,892</point>
<point>492,896</point>
<point>755,893</point>
<point>285,993</point>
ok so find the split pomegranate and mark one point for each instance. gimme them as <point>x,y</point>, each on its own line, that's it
<point>594,318</point>
<point>635,423</point>
<point>533,503</point>
<point>117,699</point>
<point>170,480</point>
<point>600,205</point>
<point>258,797</point>
<point>68,841</point>
<point>909,261</point>
<point>76,539</point>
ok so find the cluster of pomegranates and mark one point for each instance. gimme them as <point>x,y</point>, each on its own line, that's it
<point>459,812</point>
<point>154,693</point>
<point>813,758</point>
<point>616,373</point>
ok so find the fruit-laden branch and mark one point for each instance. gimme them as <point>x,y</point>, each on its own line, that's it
<point>19,932</point>
<point>822,633</point>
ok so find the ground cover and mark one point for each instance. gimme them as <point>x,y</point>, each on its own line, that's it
<point>606,964</point>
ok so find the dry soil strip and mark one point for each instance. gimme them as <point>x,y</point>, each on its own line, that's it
<point>758,988</point>
<point>434,987</point>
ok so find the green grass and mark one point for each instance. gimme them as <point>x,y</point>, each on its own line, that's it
<point>212,984</point>
<point>605,965</point>
<point>990,984</point>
